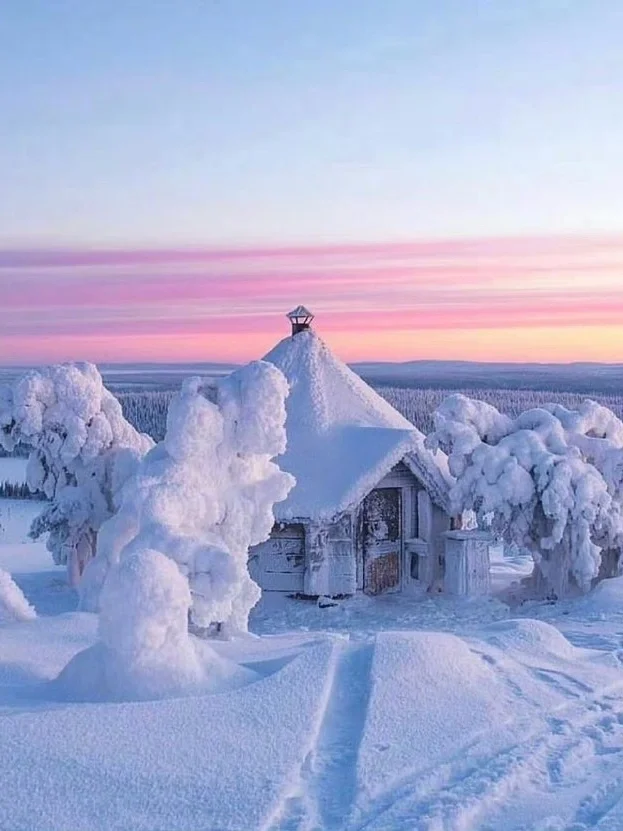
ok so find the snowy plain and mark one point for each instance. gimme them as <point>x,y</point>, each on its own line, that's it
<point>399,712</point>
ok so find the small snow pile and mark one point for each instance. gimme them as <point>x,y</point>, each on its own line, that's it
<point>145,651</point>
<point>83,450</point>
<point>13,604</point>
<point>206,493</point>
<point>550,480</point>
<point>534,637</point>
<point>606,601</point>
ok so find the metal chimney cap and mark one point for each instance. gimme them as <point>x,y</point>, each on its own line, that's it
<point>300,318</point>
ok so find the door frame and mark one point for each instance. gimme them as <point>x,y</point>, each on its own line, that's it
<point>401,539</point>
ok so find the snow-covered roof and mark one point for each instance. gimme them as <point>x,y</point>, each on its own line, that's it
<point>342,436</point>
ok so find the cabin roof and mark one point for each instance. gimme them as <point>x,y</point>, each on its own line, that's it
<point>342,436</point>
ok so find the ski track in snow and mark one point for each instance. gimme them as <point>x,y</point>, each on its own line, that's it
<point>327,787</point>
<point>572,745</point>
<point>472,791</point>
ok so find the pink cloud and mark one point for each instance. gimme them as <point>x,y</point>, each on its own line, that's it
<point>208,294</point>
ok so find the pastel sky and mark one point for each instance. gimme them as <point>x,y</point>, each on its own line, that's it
<point>434,178</point>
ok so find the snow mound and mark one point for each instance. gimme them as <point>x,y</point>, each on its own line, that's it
<point>605,599</point>
<point>430,696</point>
<point>203,762</point>
<point>533,637</point>
<point>145,651</point>
<point>342,436</point>
<point>13,604</point>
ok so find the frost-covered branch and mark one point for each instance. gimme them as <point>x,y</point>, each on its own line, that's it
<point>551,479</point>
<point>206,493</point>
<point>82,450</point>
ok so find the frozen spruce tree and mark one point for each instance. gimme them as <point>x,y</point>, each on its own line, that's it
<point>205,494</point>
<point>81,451</point>
<point>550,480</point>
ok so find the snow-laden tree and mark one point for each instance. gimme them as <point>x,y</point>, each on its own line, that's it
<point>82,450</point>
<point>550,480</point>
<point>205,494</point>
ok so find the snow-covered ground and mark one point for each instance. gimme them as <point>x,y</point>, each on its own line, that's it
<point>388,713</point>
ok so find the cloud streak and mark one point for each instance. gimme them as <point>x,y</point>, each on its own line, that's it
<point>130,304</point>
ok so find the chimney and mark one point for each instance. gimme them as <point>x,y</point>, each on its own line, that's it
<point>300,318</point>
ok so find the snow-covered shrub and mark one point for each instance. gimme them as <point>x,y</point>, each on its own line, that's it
<point>418,405</point>
<point>144,649</point>
<point>13,604</point>
<point>206,493</point>
<point>82,450</point>
<point>550,479</point>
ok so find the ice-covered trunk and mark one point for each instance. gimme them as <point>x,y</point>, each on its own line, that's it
<point>551,576</point>
<point>79,556</point>
<point>610,565</point>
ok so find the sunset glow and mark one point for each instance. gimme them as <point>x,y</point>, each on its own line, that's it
<point>522,299</point>
<point>437,180</point>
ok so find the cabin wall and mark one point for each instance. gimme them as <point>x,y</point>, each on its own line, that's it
<point>330,561</point>
<point>327,558</point>
<point>278,564</point>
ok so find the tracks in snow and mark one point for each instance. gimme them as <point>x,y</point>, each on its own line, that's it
<point>495,782</point>
<point>470,792</point>
<point>327,788</point>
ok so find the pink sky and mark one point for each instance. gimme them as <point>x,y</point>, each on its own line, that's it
<point>521,299</point>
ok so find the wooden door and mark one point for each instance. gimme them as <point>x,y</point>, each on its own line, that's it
<point>382,540</point>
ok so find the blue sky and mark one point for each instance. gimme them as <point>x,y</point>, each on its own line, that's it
<point>274,121</point>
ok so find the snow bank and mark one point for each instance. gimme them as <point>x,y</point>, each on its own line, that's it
<point>13,604</point>
<point>606,600</point>
<point>82,451</point>
<point>145,651</point>
<point>551,479</point>
<point>205,494</point>
<point>430,695</point>
<point>210,762</point>
<point>534,637</point>
<point>456,727</point>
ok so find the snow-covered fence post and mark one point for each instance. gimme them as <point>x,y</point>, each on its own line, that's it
<point>81,452</point>
<point>550,480</point>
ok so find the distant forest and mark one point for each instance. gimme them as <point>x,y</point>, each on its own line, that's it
<point>147,410</point>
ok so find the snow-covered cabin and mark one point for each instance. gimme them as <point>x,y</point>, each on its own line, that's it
<point>370,505</point>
